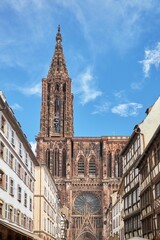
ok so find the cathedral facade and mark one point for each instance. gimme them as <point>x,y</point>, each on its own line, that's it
<point>87,170</point>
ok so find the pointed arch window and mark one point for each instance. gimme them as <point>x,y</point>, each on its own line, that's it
<point>116,164</point>
<point>109,164</point>
<point>81,166</point>
<point>64,163</point>
<point>92,166</point>
<point>57,87</point>
<point>120,163</point>
<point>57,106</point>
<point>64,87</point>
<point>48,158</point>
<point>55,167</point>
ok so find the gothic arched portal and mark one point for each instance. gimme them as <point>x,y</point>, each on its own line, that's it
<point>86,236</point>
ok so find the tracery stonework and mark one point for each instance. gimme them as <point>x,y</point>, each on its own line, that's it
<point>86,169</point>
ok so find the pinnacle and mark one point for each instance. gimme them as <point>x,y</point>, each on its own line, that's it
<point>58,64</point>
<point>58,36</point>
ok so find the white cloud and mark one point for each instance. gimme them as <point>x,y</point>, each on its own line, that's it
<point>16,106</point>
<point>152,57</point>
<point>121,95</point>
<point>34,90</point>
<point>127,109</point>
<point>86,88</point>
<point>33,146</point>
<point>92,15</point>
<point>137,85</point>
<point>101,108</point>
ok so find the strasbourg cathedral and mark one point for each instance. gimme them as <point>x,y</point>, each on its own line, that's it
<point>87,170</point>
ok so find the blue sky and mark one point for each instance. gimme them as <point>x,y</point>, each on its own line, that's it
<point>112,51</point>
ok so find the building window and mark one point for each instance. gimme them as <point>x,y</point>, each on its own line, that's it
<point>117,164</point>
<point>57,87</point>
<point>1,210</point>
<point>109,164</point>
<point>25,178</point>
<point>12,138</point>
<point>48,158</point>
<point>57,107</point>
<point>30,224</point>
<point>2,150</point>
<point>11,160</point>
<point>19,193</point>
<point>6,185</point>
<point>145,172</point>
<point>44,206</point>
<point>18,217</point>
<point>147,225</point>
<point>30,204</point>
<point>92,167</point>
<point>10,213</point>
<point>157,189</point>
<point>30,184</point>
<point>26,159</point>
<point>3,124</point>
<point>55,167</point>
<point>15,215</point>
<point>22,219</point>
<point>31,167</point>
<point>146,198</point>
<point>25,199</point>
<point>81,166</point>
<point>6,211</point>
<point>44,224</point>
<point>25,221</point>
<point>11,187</point>
<point>2,179</point>
<point>64,163</point>
<point>7,131</point>
<point>20,149</point>
<point>7,155</point>
<point>19,170</point>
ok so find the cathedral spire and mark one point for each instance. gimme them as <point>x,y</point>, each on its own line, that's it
<point>58,64</point>
<point>57,98</point>
<point>59,36</point>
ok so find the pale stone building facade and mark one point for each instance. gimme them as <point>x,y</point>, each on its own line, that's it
<point>17,163</point>
<point>86,169</point>
<point>47,210</point>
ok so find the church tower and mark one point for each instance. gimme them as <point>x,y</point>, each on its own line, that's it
<point>56,122</point>
<point>57,99</point>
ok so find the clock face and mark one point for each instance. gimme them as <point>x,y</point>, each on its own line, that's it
<point>87,202</point>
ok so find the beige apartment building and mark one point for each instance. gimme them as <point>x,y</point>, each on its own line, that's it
<point>114,216</point>
<point>17,164</point>
<point>47,207</point>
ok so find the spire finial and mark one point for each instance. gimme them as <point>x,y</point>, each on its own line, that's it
<point>59,37</point>
<point>59,29</point>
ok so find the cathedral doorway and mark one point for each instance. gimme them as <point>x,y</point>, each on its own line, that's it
<point>86,236</point>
